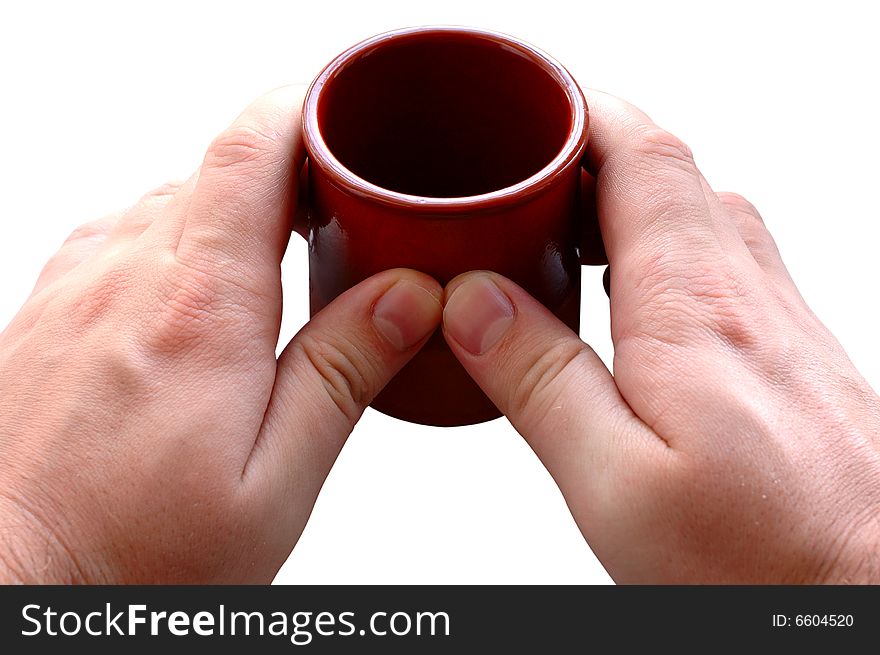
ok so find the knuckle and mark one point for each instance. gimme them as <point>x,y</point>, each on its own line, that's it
<point>704,298</point>
<point>535,393</point>
<point>656,144</point>
<point>751,229</point>
<point>239,145</point>
<point>346,373</point>
<point>29,317</point>
<point>738,203</point>
<point>190,305</point>
<point>91,230</point>
<point>100,296</point>
<point>166,189</point>
<point>58,263</point>
<point>140,216</point>
<point>156,197</point>
<point>758,241</point>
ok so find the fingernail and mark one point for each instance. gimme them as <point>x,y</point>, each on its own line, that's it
<point>406,314</point>
<point>477,314</point>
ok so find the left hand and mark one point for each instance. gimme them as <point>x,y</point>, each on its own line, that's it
<point>148,432</point>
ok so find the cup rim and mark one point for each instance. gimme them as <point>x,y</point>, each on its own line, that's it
<point>570,154</point>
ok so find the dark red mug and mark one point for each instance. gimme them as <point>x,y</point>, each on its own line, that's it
<point>445,150</point>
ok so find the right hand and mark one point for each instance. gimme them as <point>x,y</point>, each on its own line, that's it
<point>735,441</point>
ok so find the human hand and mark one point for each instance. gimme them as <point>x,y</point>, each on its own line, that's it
<point>148,432</point>
<point>735,441</point>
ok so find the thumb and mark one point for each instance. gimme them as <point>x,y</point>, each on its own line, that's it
<point>554,389</point>
<point>332,369</point>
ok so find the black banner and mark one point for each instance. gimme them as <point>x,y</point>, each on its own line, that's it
<point>432,619</point>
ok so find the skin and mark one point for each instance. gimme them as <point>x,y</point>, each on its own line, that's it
<point>735,442</point>
<point>150,434</point>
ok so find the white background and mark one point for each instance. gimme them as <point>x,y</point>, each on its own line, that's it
<point>101,102</point>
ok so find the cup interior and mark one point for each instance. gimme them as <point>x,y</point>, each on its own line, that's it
<point>444,115</point>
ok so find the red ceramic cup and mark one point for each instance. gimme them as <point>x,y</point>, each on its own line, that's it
<point>446,150</point>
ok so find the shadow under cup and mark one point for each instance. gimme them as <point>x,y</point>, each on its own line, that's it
<point>444,150</point>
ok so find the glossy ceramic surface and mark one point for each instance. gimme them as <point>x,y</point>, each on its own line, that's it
<point>444,150</point>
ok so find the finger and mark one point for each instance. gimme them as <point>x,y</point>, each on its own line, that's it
<point>241,209</point>
<point>552,386</point>
<point>166,228</point>
<point>651,204</point>
<point>331,371</point>
<point>142,214</point>
<point>82,243</point>
<point>94,237</point>
<point>757,238</point>
<point>723,214</point>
